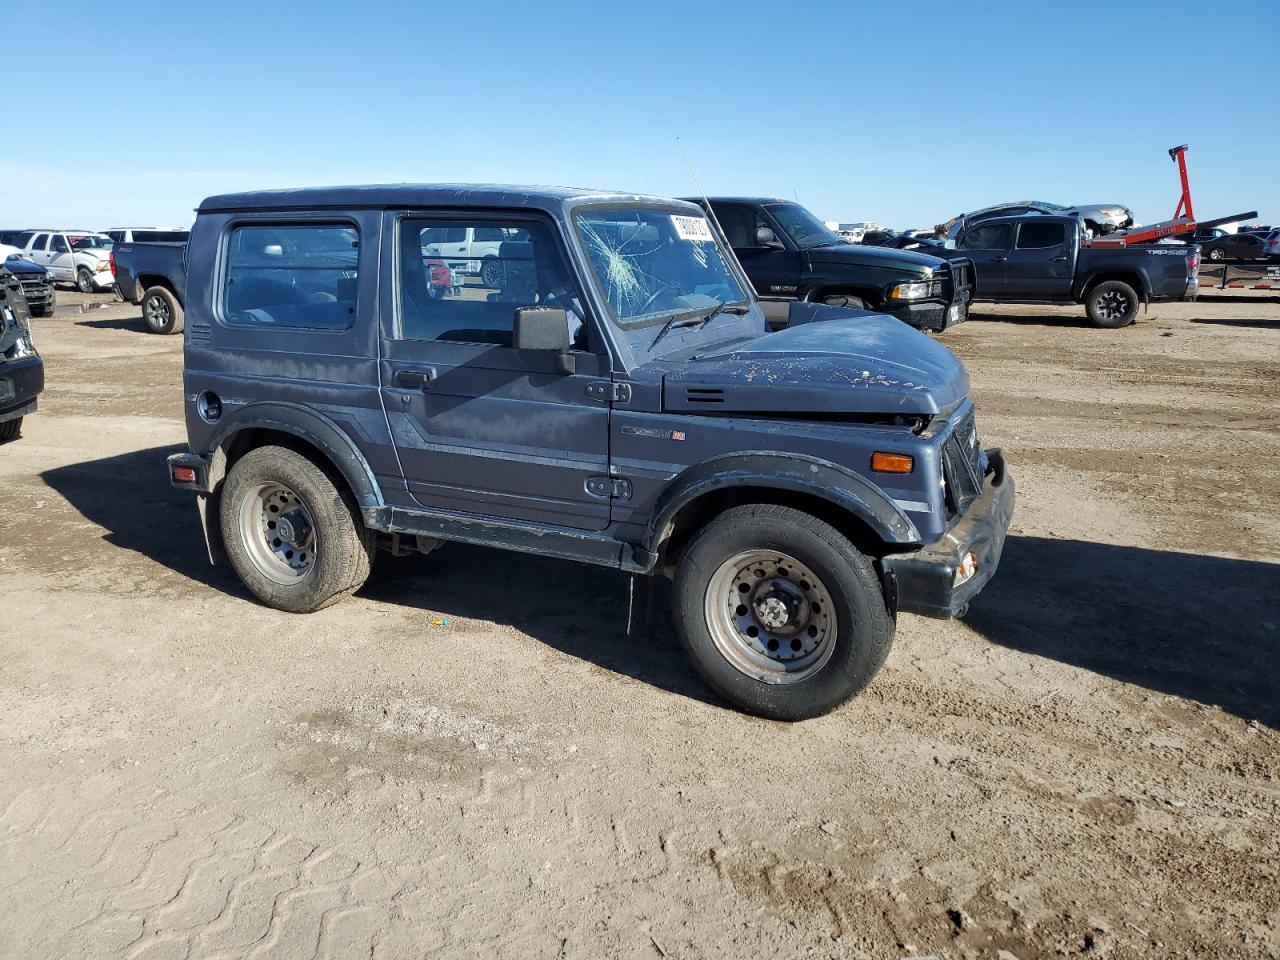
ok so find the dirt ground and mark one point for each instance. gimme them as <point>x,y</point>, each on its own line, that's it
<point>470,758</point>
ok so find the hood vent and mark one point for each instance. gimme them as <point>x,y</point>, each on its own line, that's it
<point>704,394</point>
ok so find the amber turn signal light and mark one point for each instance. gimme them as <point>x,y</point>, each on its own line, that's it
<point>891,463</point>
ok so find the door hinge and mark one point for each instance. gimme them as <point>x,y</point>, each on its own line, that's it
<point>609,391</point>
<point>609,488</point>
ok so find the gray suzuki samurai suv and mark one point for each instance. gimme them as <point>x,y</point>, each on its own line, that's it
<point>607,392</point>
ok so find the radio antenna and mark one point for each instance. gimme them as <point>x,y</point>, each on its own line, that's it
<point>706,203</point>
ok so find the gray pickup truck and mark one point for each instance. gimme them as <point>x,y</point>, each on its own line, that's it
<point>611,395</point>
<point>154,276</point>
<point>1047,259</point>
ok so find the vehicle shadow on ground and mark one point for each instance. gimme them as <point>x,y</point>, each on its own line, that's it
<point>129,496</point>
<point>1262,323</point>
<point>1201,627</point>
<point>1064,320</point>
<point>578,609</point>
<point>116,323</point>
<point>1228,298</point>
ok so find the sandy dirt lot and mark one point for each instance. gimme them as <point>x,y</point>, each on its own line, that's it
<point>1087,766</point>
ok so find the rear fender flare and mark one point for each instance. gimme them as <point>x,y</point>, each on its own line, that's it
<point>307,425</point>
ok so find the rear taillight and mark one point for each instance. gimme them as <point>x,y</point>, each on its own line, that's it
<point>1193,263</point>
<point>112,258</point>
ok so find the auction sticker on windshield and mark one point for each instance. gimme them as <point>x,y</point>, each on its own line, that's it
<point>692,228</point>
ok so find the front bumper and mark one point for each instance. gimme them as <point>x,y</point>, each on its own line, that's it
<point>103,280</point>
<point>20,383</point>
<point>930,314</point>
<point>925,581</point>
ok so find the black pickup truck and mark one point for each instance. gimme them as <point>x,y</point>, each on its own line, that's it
<point>21,369</point>
<point>1047,259</point>
<point>153,275</point>
<point>789,255</point>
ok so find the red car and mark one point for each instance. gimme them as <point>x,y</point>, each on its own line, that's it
<point>440,277</point>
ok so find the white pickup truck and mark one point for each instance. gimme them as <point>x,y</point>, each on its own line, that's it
<point>81,257</point>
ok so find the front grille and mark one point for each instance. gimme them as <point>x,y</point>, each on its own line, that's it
<point>962,465</point>
<point>34,287</point>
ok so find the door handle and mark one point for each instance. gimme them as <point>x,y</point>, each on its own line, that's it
<point>1059,259</point>
<point>999,259</point>
<point>420,379</point>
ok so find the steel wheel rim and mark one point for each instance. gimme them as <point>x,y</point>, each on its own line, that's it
<point>770,616</point>
<point>157,312</point>
<point>1113,305</point>
<point>278,532</point>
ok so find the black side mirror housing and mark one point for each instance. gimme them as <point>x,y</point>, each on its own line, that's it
<point>767,238</point>
<point>546,330</point>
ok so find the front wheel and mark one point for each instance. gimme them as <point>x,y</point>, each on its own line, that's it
<point>84,281</point>
<point>293,536</point>
<point>1217,253</point>
<point>779,612</point>
<point>1112,304</point>
<point>845,300</point>
<point>161,311</point>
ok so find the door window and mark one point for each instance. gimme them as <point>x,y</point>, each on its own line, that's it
<point>439,300</point>
<point>42,241</point>
<point>992,237</point>
<point>1038,236</point>
<point>739,223</point>
<point>292,276</point>
<point>59,244</point>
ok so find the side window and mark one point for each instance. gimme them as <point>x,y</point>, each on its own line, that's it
<point>59,244</point>
<point>22,239</point>
<point>117,235</point>
<point>444,297</point>
<point>993,237</point>
<point>143,236</point>
<point>739,223</point>
<point>41,241</point>
<point>1038,236</point>
<point>292,276</point>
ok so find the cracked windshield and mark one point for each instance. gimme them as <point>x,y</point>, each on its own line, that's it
<point>653,264</point>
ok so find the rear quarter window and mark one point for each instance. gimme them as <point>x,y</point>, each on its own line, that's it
<point>1038,236</point>
<point>291,276</point>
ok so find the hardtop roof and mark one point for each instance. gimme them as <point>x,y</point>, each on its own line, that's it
<point>414,195</point>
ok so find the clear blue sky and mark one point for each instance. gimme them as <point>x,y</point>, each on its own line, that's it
<point>902,112</point>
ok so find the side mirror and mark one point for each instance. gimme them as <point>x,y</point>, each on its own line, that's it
<point>767,238</point>
<point>545,329</point>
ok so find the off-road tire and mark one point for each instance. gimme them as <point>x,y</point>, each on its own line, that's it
<point>344,548</point>
<point>1101,305</point>
<point>161,311</point>
<point>864,623</point>
<point>493,273</point>
<point>42,310</point>
<point>84,280</point>
<point>10,429</point>
<point>845,300</point>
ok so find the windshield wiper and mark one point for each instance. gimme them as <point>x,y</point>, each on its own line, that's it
<point>724,306</point>
<point>666,327</point>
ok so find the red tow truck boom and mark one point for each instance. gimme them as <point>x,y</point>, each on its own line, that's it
<point>1184,218</point>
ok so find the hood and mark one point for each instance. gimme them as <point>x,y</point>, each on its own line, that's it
<point>23,267</point>
<point>884,257</point>
<point>854,362</point>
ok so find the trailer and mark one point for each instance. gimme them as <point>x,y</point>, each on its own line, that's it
<point>1240,275</point>
<point>1184,218</point>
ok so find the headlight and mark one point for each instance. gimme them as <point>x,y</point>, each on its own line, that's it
<point>103,265</point>
<point>910,291</point>
<point>1114,212</point>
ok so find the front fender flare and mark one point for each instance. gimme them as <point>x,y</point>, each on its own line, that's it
<point>794,473</point>
<point>307,425</point>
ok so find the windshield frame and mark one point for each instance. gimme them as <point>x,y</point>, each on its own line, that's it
<point>772,208</point>
<point>676,208</point>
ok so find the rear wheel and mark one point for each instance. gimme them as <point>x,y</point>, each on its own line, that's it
<point>84,280</point>
<point>161,311</point>
<point>1112,304</point>
<point>779,612</point>
<point>10,430</point>
<point>1217,253</point>
<point>293,536</point>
